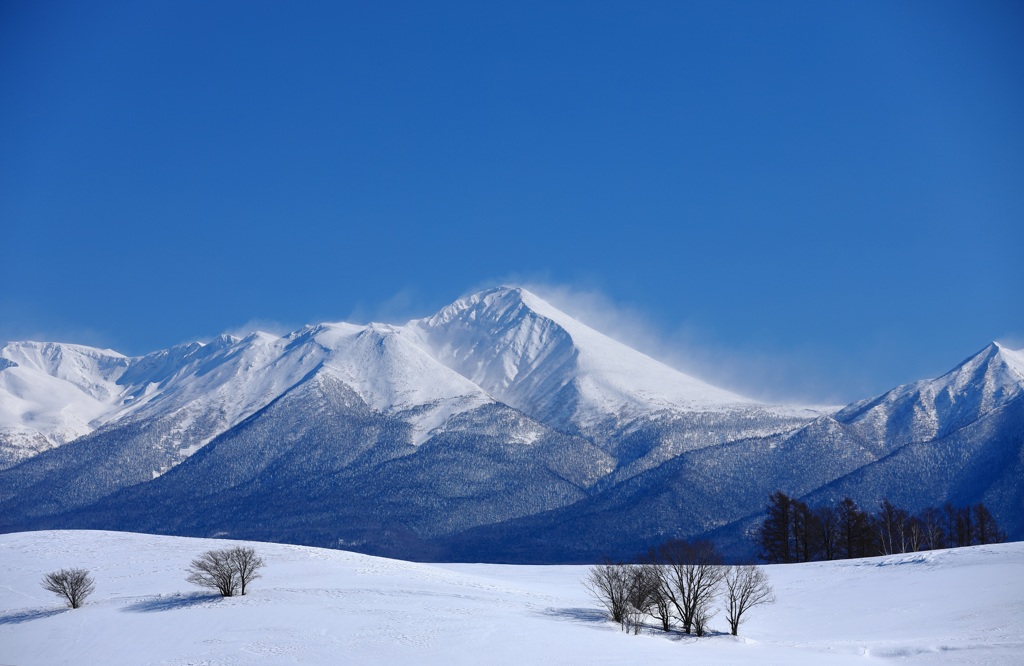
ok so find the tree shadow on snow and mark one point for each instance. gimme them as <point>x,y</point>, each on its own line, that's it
<point>172,602</point>
<point>17,617</point>
<point>583,615</point>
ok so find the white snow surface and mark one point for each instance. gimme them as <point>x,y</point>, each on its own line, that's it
<point>317,606</point>
<point>57,390</point>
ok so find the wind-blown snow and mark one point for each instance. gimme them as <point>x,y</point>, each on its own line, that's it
<point>503,344</point>
<point>328,607</point>
<point>530,355</point>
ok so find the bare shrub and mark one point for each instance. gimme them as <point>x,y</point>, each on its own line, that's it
<point>72,584</point>
<point>644,585</point>
<point>659,606</point>
<point>227,571</point>
<point>701,617</point>
<point>609,584</point>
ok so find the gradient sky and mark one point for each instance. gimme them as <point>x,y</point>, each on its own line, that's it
<point>794,199</point>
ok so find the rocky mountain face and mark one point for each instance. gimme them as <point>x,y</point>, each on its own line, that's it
<point>498,429</point>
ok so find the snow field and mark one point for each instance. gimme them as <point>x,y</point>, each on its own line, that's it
<point>316,606</point>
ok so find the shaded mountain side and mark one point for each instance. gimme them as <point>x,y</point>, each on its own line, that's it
<point>338,475</point>
<point>684,497</point>
<point>981,462</point>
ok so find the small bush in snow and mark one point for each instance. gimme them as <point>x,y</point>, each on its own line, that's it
<point>228,571</point>
<point>72,584</point>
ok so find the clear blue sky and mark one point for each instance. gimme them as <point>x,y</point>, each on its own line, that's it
<point>814,199</point>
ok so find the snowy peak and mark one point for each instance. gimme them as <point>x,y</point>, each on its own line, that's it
<point>51,392</point>
<point>931,408</point>
<point>536,358</point>
<point>93,371</point>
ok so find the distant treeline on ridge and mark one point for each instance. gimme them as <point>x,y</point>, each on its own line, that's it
<point>794,532</point>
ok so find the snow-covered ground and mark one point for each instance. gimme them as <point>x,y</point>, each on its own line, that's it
<point>328,607</point>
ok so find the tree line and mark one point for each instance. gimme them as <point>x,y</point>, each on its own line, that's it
<point>678,584</point>
<point>792,531</point>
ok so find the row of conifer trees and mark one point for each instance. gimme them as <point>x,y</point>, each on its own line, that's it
<point>792,531</point>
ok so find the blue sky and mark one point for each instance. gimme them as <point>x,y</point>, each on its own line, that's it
<point>808,200</point>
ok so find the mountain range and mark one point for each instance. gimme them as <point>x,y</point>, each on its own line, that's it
<point>498,429</point>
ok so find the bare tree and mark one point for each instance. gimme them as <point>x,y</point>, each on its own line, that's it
<point>692,574</point>
<point>72,584</point>
<point>745,587</point>
<point>659,606</point>
<point>891,526</point>
<point>609,584</point>
<point>701,617</point>
<point>216,570</point>
<point>934,536</point>
<point>247,565</point>
<point>645,597</point>
<point>228,571</point>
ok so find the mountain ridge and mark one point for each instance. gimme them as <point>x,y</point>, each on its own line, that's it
<point>500,428</point>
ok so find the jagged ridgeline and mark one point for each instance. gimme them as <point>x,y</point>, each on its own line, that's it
<point>499,429</point>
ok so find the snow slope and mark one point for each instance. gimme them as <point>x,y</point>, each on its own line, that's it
<point>327,607</point>
<point>504,344</point>
<point>530,355</point>
<point>51,393</point>
<point>931,408</point>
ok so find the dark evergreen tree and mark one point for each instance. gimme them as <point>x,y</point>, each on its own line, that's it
<point>963,528</point>
<point>854,534</point>
<point>774,536</point>
<point>985,528</point>
<point>805,532</point>
<point>826,521</point>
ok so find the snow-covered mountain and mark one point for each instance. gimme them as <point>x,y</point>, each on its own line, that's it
<point>497,423</point>
<point>51,393</point>
<point>502,345</point>
<point>533,357</point>
<point>932,408</point>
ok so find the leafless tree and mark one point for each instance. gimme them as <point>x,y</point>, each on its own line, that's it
<point>228,571</point>
<point>247,565</point>
<point>745,587</point>
<point>692,574</point>
<point>216,570</point>
<point>701,617</point>
<point>891,527</point>
<point>934,536</point>
<point>609,584</point>
<point>659,606</point>
<point>644,596</point>
<point>72,584</point>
